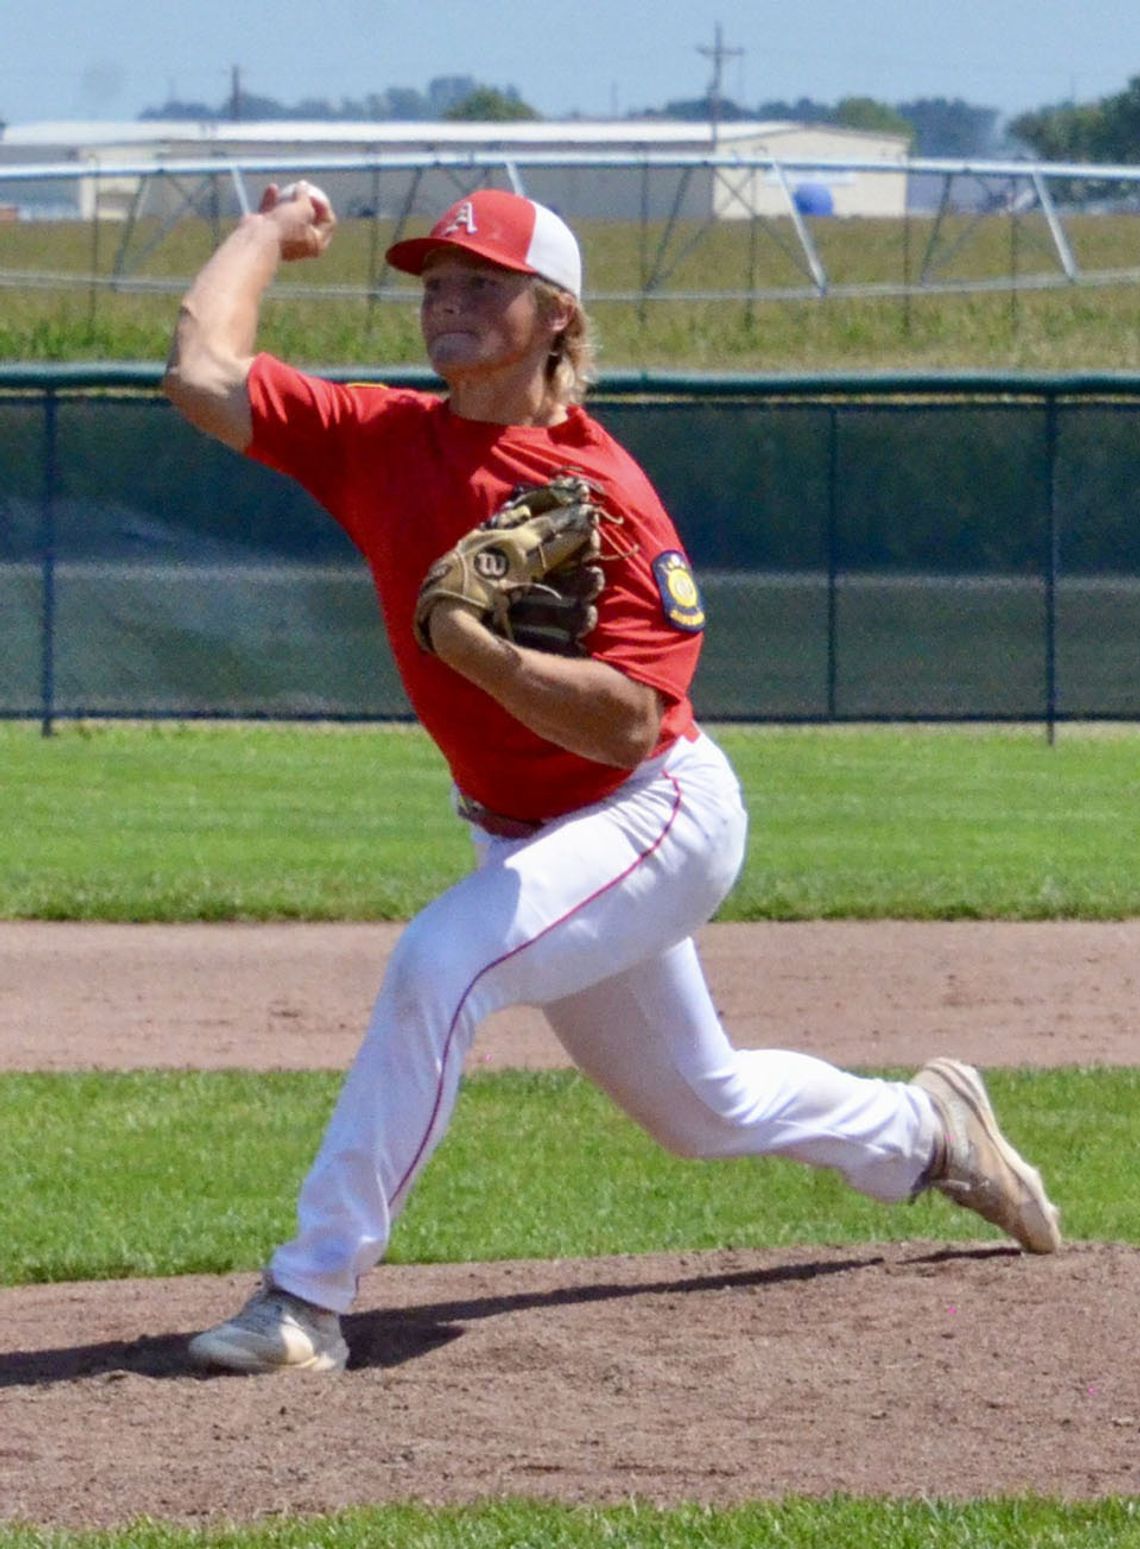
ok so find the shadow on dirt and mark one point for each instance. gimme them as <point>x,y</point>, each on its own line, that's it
<point>389,1337</point>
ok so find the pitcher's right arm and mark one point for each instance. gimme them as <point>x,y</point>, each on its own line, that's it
<point>215,337</point>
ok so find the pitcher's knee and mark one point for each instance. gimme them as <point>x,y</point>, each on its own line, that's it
<point>694,1131</point>
<point>678,1142</point>
<point>420,996</point>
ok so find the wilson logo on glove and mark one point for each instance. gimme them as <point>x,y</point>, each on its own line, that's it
<point>529,573</point>
<point>492,564</point>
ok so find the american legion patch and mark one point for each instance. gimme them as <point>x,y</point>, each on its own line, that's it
<point>680,595</point>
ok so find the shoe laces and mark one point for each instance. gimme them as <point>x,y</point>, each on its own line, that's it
<point>271,1306</point>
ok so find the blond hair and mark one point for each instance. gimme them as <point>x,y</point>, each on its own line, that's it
<point>572,364</point>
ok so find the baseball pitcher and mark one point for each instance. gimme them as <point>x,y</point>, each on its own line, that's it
<point>546,623</point>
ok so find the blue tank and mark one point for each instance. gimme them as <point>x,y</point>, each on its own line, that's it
<point>814,199</point>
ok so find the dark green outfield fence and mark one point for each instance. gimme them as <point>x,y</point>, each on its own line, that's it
<point>945,547</point>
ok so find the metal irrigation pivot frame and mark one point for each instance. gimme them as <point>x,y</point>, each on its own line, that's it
<point>1012,187</point>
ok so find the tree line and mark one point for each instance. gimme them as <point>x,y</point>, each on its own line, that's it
<point>1105,130</point>
<point>446,97</point>
<point>934,126</point>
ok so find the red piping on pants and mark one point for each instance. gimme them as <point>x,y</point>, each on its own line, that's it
<point>506,956</point>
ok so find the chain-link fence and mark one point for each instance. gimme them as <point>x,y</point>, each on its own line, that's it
<point>943,548</point>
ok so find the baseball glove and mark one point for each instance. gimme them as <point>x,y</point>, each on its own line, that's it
<point>525,572</point>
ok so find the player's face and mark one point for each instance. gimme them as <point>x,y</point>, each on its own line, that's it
<point>479,318</point>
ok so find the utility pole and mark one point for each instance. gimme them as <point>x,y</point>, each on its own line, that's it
<point>718,54</point>
<point>235,93</point>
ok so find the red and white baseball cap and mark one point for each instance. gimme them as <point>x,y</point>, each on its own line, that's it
<point>505,229</point>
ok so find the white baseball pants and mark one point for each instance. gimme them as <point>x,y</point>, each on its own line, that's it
<point>591,919</point>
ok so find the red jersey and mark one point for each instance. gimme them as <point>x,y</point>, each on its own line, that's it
<point>406,478</point>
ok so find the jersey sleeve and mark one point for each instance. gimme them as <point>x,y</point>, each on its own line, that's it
<point>300,426</point>
<point>344,443</point>
<point>638,631</point>
<point>650,615</point>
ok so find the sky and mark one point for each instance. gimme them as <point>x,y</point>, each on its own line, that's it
<point>110,59</point>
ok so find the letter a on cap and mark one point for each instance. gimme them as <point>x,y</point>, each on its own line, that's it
<point>464,216</point>
<point>505,229</point>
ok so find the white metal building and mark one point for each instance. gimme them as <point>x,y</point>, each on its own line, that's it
<point>610,179</point>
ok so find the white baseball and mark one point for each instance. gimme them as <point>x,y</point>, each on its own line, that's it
<point>317,195</point>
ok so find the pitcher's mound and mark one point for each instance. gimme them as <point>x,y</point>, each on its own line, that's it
<point>915,1369</point>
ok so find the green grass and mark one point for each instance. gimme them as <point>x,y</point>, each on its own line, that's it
<point>173,822</point>
<point>1015,1523</point>
<point>181,1173</point>
<point>950,824</point>
<point>1062,329</point>
<point>168,822</point>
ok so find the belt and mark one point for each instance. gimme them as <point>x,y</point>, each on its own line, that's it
<point>503,827</point>
<point>496,823</point>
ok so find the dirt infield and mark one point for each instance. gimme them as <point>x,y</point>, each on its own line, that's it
<point>910,1369</point>
<point>298,996</point>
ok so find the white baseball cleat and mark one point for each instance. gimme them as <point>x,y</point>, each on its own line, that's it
<point>980,1170</point>
<point>274,1331</point>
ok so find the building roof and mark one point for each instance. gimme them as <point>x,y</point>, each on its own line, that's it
<point>572,133</point>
